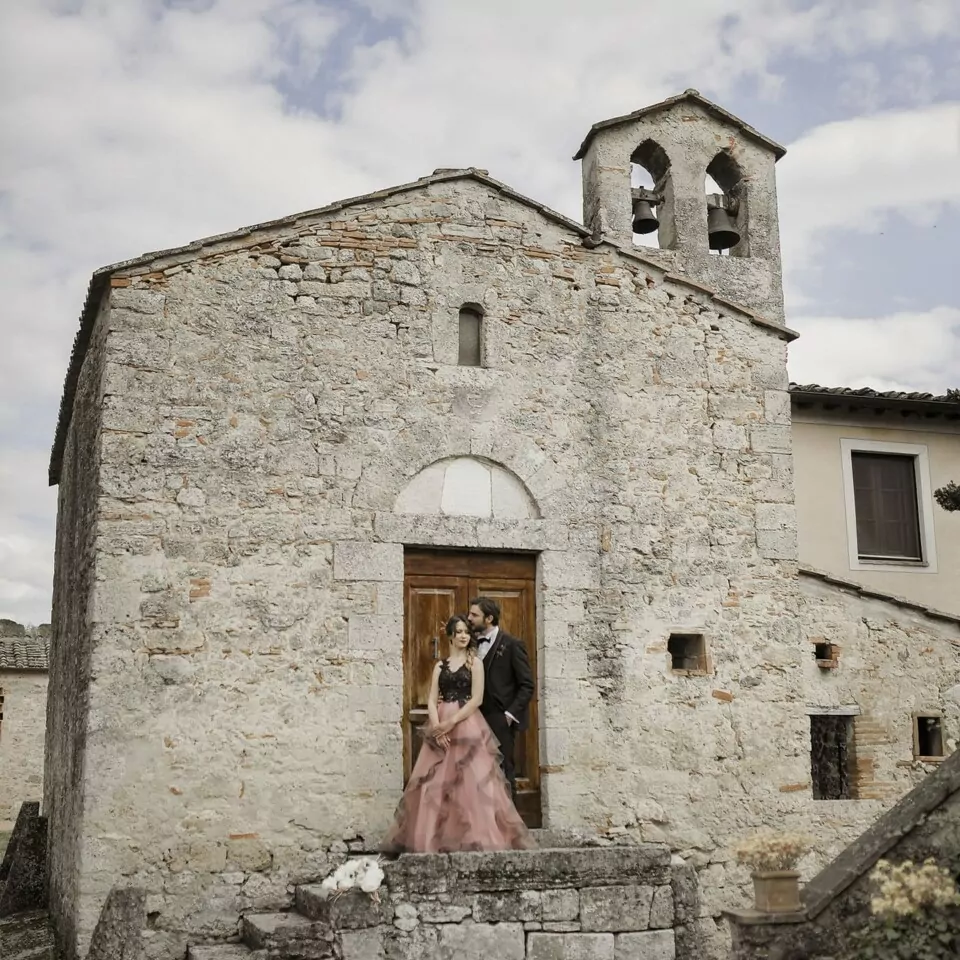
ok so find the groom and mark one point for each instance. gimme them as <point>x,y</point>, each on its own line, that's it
<point>508,680</point>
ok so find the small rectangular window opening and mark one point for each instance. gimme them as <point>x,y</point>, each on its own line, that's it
<point>470,338</point>
<point>928,736</point>
<point>688,653</point>
<point>826,654</point>
<point>831,756</point>
<point>1,710</point>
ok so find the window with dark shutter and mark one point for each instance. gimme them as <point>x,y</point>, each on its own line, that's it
<point>471,321</point>
<point>885,499</point>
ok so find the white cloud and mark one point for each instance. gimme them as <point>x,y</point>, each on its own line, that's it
<point>860,176</point>
<point>900,351</point>
<point>132,125</point>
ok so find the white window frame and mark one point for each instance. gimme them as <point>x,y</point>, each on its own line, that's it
<point>928,545</point>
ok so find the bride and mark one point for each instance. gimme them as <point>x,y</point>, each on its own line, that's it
<point>457,797</point>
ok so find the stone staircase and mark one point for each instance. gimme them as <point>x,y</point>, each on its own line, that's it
<point>27,936</point>
<point>629,902</point>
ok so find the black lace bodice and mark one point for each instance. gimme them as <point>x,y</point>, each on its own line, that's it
<point>455,685</point>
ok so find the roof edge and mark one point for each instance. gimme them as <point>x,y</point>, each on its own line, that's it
<point>877,399</point>
<point>778,150</point>
<point>870,594</point>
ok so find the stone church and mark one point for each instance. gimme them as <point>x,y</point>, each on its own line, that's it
<point>286,455</point>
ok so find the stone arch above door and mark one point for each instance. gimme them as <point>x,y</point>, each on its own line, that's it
<point>467,487</point>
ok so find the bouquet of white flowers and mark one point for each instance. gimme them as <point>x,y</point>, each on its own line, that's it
<point>363,873</point>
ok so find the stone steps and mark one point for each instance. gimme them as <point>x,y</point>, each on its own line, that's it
<point>225,951</point>
<point>629,902</point>
<point>27,936</point>
<point>289,935</point>
<point>343,913</point>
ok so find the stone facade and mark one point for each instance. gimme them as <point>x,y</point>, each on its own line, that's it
<point>250,427</point>
<point>23,702</point>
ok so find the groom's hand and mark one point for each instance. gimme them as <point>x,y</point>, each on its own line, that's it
<point>510,718</point>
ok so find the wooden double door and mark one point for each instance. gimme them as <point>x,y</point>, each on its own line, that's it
<point>438,584</point>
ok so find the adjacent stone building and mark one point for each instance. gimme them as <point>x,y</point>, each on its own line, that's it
<point>286,455</point>
<point>24,660</point>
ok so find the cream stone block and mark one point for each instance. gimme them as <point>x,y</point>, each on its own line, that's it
<point>570,946</point>
<point>356,560</point>
<point>473,941</point>
<point>510,498</point>
<point>776,516</point>
<point>374,633</point>
<point>569,569</point>
<point>466,489</point>
<point>422,494</point>
<point>649,945</point>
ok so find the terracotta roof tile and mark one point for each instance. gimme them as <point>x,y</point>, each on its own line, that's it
<point>24,653</point>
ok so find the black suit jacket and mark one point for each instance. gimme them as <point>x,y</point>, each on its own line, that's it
<point>508,679</point>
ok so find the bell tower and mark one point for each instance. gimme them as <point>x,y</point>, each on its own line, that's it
<point>726,236</point>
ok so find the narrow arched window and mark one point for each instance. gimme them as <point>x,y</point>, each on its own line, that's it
<point>471,324</point>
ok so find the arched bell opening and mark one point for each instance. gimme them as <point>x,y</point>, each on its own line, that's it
<point>726,207</point>
<point>651,197</point>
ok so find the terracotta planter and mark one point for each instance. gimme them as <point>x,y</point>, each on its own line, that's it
<point>776,891</point>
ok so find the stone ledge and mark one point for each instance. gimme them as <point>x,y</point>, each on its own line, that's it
<point>463,873</point>
<point>755,918</point>
<point>27,936</point>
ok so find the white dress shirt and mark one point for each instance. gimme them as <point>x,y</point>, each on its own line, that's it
<point>486,641</point>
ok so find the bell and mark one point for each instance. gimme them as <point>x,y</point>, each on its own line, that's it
<point>643,219</point>
<point>721,232</point>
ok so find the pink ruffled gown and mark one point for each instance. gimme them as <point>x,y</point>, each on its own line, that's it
<point>457,798</point>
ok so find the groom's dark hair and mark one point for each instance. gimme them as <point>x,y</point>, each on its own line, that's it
<point>488,607</point>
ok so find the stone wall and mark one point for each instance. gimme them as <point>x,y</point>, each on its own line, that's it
<point>248,604</point>
<point>627,902</point>
<point>24,695</point>
<point>24,662</point>
<point>77,626</point>
<point>545,905</point>
<point>893,662</point>
<point>265,401</point>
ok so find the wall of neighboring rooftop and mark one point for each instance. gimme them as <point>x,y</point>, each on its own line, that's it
<point>821,509</point>
<point>24,695</point>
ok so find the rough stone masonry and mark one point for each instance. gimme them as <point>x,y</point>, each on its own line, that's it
<point>241,417</point>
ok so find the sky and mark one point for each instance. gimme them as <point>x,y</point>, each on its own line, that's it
<point>135,125</point>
